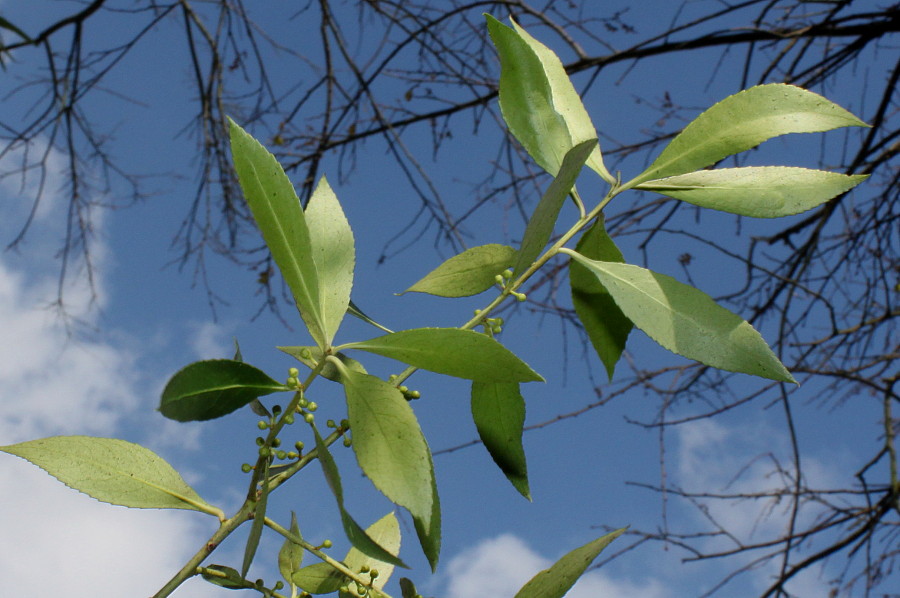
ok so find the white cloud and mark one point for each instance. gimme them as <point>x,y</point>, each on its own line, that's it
<point>499,567</point>
<point>752,459</point>
<point>53,383</point>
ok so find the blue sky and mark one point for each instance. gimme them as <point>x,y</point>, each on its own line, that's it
<point>147,319</point>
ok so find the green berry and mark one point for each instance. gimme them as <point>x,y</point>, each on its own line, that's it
<point>312,406</point>
<point>281,454</point>
<point>347,441</point>
<point>262,425</point>
<point>289,418</point>
<point>326,544</point>
<point>309,418</point>
<point>330,423</point>
<point>260,441</point>
<point>246,468</point>
<point>507,273</point>
<point>299,445</point>
<point>276,442</point>
<point>414,394</point>
<point>264,451</point>
<point>292,455</point>
<point>373,573</point>
<point>293,372</point>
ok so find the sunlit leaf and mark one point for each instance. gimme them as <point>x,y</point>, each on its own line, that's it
<point>605,324</point>
<point>319,578</point>
<point>471,272</point>
<point>385,531</point>
<point>567,102</point>
<point>392,452</point>
<point>461,353</point>
<point>213,388</point>
<point>333,253</point>
<point>758,191</point>
<point>562,575</point>
<point>540,225</point>
<point>686,320</point>
<point>498,411</point>
<point>279,215</point>
<point>355,533</point>
<point>408,588</point>
<point>112,471</point>
<point>290,557</point>
<point>526,99</point>
<point>743,121</point>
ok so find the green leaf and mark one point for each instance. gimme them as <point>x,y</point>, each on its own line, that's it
<point>461,353</point>
<point>354,532</point>
<point>498,411</point>
<point>392,452</point>
<point>471,272</point>
<point>333,253</point>
<point>232,580</point>
<point>686,321</point>
<point>329,371</point>
<point>526,99</point>
<point>562,575</point>
<point>354,310</point>
<point>290,557</point>
<point>408,588</point>
<point>112,471</point>
<point>758,191</point>
<point>213,388</point>
<point>538,102</point>
<point>540,226</point>
<point>277,211</point>
<point>743,121</point>
<point>606,326</point>
<point>320,578</point>
<point>385,531</point>
<point>567,102</point>
<point>259,518</point>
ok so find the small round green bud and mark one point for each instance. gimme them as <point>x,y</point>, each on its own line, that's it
<point>497,329</point>
<point>293,372</point>
<point>292,455</point>
<point>345,423</point>
<point>326,544</point>
<point>305,354</point>
<point>262,425</point>
<point>302,403</point>
<point>403,389</point>
<point>260,441</point>
<point>507,273</point>
<point>281,454</point>
<point>498,279</point>
<point>347,441</point>
<point>312,406</point>
<point>364,569</point>
<point>289,418</point>
<point>279,584</point>
<point>260,583</point>
<point>414,394</point>
<point>276,409</point>
<point>246,468</point>
<point>299,445</point>
<point>264,451</point>
<point>392,377</point>
<point>373,573</point>
<point>276,442</point>
<point>309,418</point>
<point>345,589</point>
<point>477,312</point>
<point>330,423</point>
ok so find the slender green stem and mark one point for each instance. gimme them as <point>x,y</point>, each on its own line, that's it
<point>190,568</point>
<point>339,566</point>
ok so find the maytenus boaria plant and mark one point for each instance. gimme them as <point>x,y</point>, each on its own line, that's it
<point>315,253</point>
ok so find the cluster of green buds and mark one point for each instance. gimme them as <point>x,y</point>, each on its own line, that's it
<point>492,326</point>
<point>503,280</point>
<point>409,395</point>
<point>361,589</point>
<point>293,381</point>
